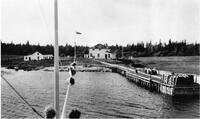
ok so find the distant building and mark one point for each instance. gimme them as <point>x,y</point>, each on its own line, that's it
<point>130,57</point>
<point>100,52</point>
<point>37,56</point>
<point>86,56</point>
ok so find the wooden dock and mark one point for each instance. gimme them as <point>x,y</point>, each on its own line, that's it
<point>156,83</point>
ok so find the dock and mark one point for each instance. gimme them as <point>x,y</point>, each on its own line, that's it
<point>159,83</point>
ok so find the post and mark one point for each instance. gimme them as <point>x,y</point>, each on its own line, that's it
<point>56,62</point>
<point>196,79</point>
<point>74,51</point>
<point>122,52</point>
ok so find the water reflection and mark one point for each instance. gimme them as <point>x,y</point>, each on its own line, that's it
<point>180,107</point>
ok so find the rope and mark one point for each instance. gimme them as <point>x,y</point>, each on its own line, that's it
<point>70,82</point>
<point>41,12</point>
<point>65,103</point>
<point>34,110</point>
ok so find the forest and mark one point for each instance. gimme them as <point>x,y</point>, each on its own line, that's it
<point>172,48</point>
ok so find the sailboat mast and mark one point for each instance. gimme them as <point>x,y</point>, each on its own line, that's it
<point>56,61</point>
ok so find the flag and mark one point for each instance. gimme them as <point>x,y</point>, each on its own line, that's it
<point>78,32</point>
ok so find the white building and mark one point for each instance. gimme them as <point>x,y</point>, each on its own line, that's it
<point>101,52</point>
<point>37,56</point>
<point>86,56</point>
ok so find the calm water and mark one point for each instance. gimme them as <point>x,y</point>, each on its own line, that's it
<point>103,95</point>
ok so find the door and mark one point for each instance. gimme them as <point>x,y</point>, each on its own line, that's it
<point>105,56</point>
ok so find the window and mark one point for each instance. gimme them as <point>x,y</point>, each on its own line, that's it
<point>90,54</point>
<point>98,55</point>
<point>108,55</point>
<point>37,53</point>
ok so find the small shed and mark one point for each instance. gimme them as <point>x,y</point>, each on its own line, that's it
<point>37,56</point>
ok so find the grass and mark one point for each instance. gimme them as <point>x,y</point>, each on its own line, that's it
<point>178,64</point>
<point>11,61</point>
<point>11,57</point>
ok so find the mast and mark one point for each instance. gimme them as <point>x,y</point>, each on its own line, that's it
<point>56,61</point>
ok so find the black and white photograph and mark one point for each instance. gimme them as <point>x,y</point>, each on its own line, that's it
<point>105,59</point>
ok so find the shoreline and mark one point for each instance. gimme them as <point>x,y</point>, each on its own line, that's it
<point>186,65</point>
<point>80,69</point>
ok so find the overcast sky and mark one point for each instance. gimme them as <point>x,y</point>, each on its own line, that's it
<point>100,21</point>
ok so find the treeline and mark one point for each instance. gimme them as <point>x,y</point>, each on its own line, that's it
<point>140,49</point>
<point>27,49</point>
<point>161,49</point>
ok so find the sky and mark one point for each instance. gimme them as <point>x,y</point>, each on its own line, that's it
<point>113,22</point>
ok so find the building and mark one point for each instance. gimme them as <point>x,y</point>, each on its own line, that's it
<point>37,56</point>
<point>101,52</point>
<point>86,56</point>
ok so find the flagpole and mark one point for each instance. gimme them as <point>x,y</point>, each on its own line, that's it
<point>122,52</point>
<point>75,45</point>
<point>74,51</point>
<point>56,61</point>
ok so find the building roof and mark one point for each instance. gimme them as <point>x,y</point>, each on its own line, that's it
<point>40,54</point>
<point>100,46</point>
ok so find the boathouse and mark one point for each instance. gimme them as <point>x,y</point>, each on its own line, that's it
<point>37,56</point>
<point>101,52</point>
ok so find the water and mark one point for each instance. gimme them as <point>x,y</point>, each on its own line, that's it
<point>95,94</point>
